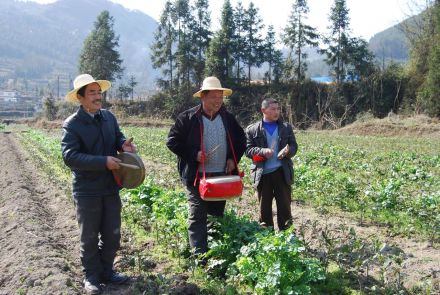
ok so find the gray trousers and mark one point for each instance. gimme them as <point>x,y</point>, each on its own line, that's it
<point>198,218</point>
<point>99,220</point>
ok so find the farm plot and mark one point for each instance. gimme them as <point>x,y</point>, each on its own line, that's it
<point>356,200</point>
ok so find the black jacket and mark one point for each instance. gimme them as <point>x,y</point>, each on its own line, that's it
<point>256,140</point>
<point>85,145</point>
<point>184,140</point>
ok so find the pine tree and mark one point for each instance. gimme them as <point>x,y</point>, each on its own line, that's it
<point>238,38</point>
<point>338,41</point>
<point>252,40</point>
<point>297,36</point>
<point>201,38</point>
<point>162,55</point>
<point>132,84</point>
<point>185,51</point>
<point>219,57</point>
<point>272,56</point>
<point>99,56</point>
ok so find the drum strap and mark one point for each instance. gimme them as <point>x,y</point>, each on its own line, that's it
<point>203,155</point>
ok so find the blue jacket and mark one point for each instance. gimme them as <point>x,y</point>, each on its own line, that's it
<point>85,145</point>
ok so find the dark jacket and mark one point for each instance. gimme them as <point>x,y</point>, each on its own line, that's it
<point>184,140</point>
<point>85,145</point>
<point>256,140</point>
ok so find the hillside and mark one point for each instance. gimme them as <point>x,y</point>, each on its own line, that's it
<point>41,42</point>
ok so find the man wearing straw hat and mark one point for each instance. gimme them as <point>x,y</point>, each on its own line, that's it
<point>208,123</point>
<point>271,144</point>
<point>90,141</point>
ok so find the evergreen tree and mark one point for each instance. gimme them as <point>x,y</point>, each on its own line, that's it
<point>298,35</point>
<point>99,56</point>
<point>338,41</point>
<point>219,59</point>
<point>360,59</point>
<point>49,107</point>
<point>162,55</point>
<point>253,49</point>
<point>201,38</point>
<point>184,54</point>
<point>238,38</point>
<point>132,84</point>
<point>272,56</point>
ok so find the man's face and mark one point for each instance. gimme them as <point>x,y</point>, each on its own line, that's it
<point>92,99</point>
<point>271,113</point>
<point>212,101</point>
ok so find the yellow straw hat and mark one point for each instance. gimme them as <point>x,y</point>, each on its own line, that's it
<point>212,83</point>
<point>83,80</point>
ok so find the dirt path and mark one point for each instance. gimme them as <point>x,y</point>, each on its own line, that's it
<point>38,244</point>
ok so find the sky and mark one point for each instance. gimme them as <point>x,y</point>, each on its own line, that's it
<point>367,17</point>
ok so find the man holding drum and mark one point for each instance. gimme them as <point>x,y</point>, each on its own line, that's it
<point>206,133</point>
<point>271,144</point>
<point>90,141</point>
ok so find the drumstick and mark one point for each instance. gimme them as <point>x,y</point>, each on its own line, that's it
<point>130,140</point>
<point>129,166</point>
<point>212,150</point>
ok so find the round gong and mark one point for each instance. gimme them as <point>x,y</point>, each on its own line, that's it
<point>132,174</point>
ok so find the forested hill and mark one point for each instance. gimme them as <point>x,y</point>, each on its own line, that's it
<point>43,41</point>
<point>392,43</point>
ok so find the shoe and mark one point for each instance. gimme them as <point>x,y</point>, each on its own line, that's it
<point>116,278</point>
<point>92,287</point>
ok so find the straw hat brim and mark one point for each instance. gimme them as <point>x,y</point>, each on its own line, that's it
<point>226,91</point>
<point>72,95</point>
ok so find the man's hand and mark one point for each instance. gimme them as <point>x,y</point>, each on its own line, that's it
<point>268,153</point>
<point>199,157</point>
<point>112,163</point>
<point>129,146</point>
<point>230,166</point>
<point>283,152</point>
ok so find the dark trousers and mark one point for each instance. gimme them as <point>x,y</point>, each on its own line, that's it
<point>198,218</point>
<point>99,220</point>
<point>273,185</point>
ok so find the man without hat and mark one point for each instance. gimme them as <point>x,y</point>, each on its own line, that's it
<point>211,123</point>
<point>271,144</point>
<point>90,142</point>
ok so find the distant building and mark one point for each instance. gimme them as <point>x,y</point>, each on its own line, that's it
<point>330,80</point>
<point>9,96</point>
<point>323,79</point>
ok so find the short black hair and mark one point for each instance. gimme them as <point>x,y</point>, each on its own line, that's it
<point>267,102</point>
<point>82,90</point>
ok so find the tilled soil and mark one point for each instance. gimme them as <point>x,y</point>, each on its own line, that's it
<point>39,244</point>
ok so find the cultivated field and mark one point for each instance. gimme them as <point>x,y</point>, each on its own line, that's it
<point>366,214</point>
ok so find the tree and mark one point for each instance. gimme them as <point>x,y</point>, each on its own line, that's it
<point>253,52</point>
<point>184,52</point>
<point>131,85</point>
<point>219,58</point>
<point>428,94</point>
<point>238,38</point>
<point>49,107</point>
<point>162,55</point>
<point>99,56</point>
<point>272,56</point>
<point>337,42</point>
<point>201,38</point>
<point>298,35</point>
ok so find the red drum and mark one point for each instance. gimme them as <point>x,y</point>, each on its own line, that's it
<point>220,188</point>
